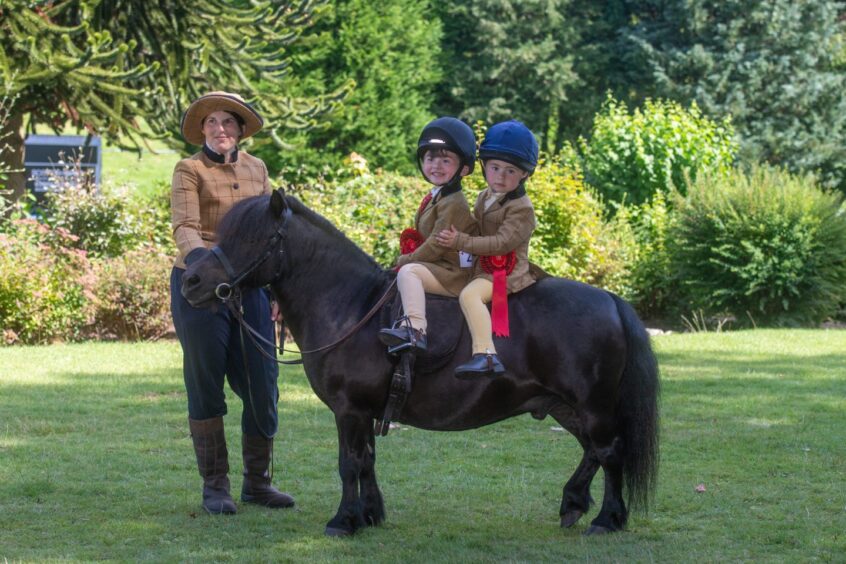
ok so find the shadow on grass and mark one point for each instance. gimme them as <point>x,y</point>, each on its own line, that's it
<point>98,464</point>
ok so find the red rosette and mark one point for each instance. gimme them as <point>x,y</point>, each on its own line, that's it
<point>499,266</point>
<point>410,239</point>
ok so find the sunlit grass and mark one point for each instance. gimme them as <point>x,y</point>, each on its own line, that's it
<point>96,464</point>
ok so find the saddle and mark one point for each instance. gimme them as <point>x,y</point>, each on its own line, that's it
<point>446,330</point>
<point>445,336</point>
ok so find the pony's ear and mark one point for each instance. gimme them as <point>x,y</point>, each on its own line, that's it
<point>277,202</point>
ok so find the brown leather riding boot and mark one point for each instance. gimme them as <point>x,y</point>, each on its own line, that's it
<point>257,488</point>
<point>213,463</point>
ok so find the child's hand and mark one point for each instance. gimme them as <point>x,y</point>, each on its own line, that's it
<point>447,237</point>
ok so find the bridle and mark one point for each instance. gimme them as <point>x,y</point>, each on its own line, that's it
<point>229,294</point>
<point>224,290</point>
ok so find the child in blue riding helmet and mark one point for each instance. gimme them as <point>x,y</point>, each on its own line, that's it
<point>446,152</point>
<point>506,220</point>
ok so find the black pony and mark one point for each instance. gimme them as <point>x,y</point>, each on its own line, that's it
<point>576,353</point>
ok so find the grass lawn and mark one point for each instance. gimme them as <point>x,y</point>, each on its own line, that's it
<point>143,172</point>
<point>96,464</point>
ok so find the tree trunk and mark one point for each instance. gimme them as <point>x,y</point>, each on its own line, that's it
<point>12,156</point>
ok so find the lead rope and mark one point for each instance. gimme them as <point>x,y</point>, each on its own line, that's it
<point>248,380</point>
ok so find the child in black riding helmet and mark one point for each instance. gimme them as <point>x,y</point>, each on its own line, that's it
<point>446,152</point>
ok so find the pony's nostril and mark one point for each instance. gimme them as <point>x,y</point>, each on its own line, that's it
<point>193,279</point>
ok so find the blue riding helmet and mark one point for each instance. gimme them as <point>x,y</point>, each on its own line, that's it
<point>512,142</point>
<point>451,134</point>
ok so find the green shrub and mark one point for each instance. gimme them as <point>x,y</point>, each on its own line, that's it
<point>133,295</point>
<point>372,209</point>
<point>109,224</point>
<point>650,276</point>
<point>153,211</point>
<point>46,285</point>
<point>630,157</point>
<point>573,239</point>
<point>765,247</point>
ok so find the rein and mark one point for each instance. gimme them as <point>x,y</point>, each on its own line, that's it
<point>255,336</point>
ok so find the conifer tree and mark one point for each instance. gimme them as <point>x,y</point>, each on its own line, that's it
<point>508,59</point>
<point>102,64</point>
<point>394,58</point>
<point>773,65</point>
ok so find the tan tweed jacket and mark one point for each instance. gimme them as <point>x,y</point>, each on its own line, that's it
<point>203,191</point>
<point>507,225</point>
<point>443,263</point>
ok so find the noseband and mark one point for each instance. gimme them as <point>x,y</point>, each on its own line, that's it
<point>225,290</point>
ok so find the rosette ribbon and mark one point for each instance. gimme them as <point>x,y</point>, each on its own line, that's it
<point>499,266</point>
<point>424,202</point>
<point>410,239</point>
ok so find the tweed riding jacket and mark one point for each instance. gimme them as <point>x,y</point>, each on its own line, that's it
<point>203,191</point>
<point>506,226</point>
<point>443,263</point>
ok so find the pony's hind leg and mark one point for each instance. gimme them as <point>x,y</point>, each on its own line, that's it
<point>576,499</point>
<point>613,513</point>
<point>355,466</point>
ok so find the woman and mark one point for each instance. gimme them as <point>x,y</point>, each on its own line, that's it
<point>205,186</point>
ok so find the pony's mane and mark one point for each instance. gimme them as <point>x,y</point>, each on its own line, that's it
<point>253,212</point>
<point>326,227</point>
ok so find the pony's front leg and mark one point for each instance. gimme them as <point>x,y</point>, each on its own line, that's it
<point>371,496</point>
<point>355,437</point>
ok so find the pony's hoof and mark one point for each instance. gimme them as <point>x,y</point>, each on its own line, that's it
<point>570,518</point>
<point>597,530</point>
<point>336,532</point>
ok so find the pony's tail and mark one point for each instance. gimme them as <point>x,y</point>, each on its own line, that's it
<point>637,410</point>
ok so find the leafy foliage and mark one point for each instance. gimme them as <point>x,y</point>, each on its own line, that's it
<point>651,278</point>
<point>766,247</point>
<point>46,285</point>
<point>371,208</point>
<point>573,239</point>
<point>133,295</point>
<point>394,61</point>
<point>107,224</point>
<point>773,65</point>
<point>631,156</point>
<point>507,59</point>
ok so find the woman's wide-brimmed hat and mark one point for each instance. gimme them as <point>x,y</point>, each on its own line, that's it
<point>192,119</point>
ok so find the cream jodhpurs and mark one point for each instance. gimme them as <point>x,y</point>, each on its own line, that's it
<point>473,298</point>
<point>413,281</point>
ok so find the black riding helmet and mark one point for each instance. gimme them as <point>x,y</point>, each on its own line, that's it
<point>451,134</point>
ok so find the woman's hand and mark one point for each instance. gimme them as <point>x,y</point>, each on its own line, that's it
<point>274,311</point>
<point>447,237</point>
